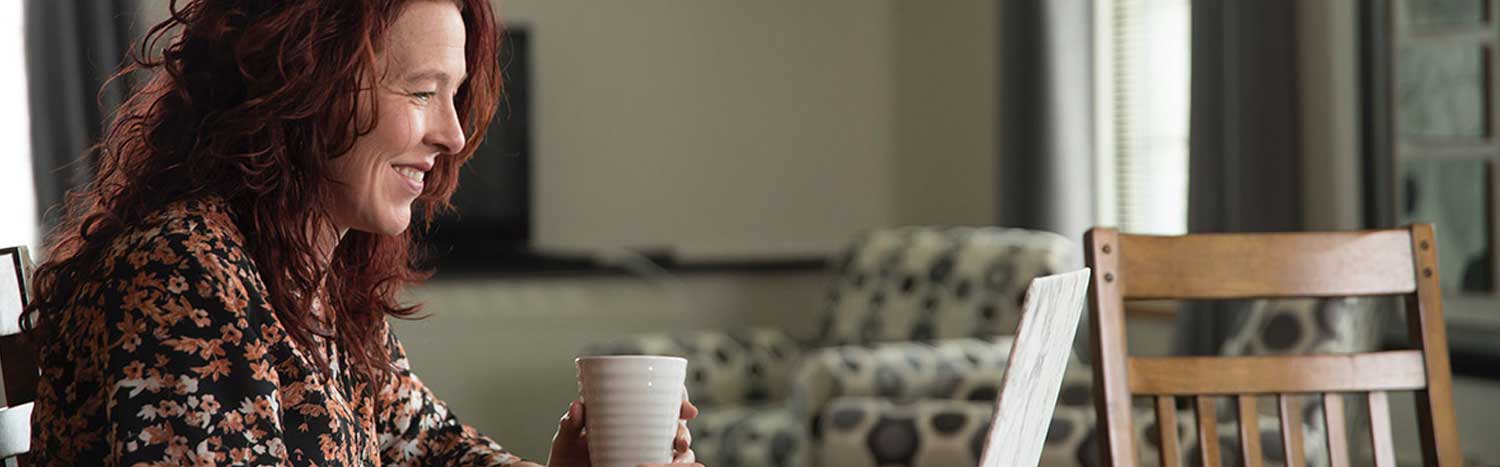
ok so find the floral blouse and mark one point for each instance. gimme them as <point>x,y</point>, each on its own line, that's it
<point>174,358</point>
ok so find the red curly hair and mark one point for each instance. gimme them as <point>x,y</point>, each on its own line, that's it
<point>248,102</point>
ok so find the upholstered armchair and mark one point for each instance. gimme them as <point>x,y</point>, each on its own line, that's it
<point>937,300</point>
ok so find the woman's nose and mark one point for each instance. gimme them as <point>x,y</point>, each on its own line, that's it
<point>446,132</point>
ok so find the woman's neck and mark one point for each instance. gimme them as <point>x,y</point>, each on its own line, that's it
<point>327,242</point>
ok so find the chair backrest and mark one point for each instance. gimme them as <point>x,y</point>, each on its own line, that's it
<point>1401,262</point>
<point>18,363</point>
<point>920,283</point>
<point>1038,356</point>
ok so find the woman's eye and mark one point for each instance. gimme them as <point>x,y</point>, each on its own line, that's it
<point>424,96</point>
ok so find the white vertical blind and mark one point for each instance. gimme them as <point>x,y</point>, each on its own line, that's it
<point>17,195</point>
<point>1143,69</point>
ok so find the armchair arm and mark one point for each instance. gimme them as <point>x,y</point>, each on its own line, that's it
<point>946,369</point>
<point>724,368</point>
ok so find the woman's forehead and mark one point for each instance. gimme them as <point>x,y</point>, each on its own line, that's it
<point>427,37</point>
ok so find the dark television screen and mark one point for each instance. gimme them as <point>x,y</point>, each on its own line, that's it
<point>493,200</point>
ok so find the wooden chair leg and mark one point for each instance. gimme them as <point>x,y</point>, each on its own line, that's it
<point>1291,430</point>
<point>1338,437</point>
<point>1208,431</point>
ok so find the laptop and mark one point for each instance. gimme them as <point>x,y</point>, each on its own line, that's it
<point>1038,357</point>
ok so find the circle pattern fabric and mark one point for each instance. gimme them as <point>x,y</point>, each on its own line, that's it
<point>933,283</point>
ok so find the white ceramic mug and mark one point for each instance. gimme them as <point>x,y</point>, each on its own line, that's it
<point>631,403</point>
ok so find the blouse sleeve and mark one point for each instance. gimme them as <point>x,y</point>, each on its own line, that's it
<point>417,429</point>
<point>187,376</point>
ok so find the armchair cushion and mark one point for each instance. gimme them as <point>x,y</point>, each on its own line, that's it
<point>926,283</point>
<point>750,436</point>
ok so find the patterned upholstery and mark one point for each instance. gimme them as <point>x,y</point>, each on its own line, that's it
<point>925,283</point>
<point>1306,326</point>
<point>750,436</point>
<point>897,370</point>
<point>866,431</point>
<point>958,414</point>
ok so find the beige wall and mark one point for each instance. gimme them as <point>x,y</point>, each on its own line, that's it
<point>947,112</point>
<point>729,128</point>
<point>720,128</point>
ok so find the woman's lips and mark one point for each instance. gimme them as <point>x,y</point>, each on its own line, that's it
<point>411,176</point>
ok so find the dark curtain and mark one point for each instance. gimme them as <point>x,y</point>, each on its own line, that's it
<point>72,47</point>
<point>1244,162</point>
<point>1046,120</point>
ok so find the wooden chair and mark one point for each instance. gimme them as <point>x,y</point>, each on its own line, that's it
<point>18,363</point>
<point>1238,266</point>
<point>1038,356</point>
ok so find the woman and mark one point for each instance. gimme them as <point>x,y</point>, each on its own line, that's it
<point>219,293</point>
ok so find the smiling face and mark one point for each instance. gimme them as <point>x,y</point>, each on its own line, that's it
<point>418,71</point>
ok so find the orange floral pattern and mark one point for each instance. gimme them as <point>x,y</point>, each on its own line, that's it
<point>172,356</point>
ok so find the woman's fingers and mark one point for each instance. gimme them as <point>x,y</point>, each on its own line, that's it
<point>685,457</point>
<point>570,447</point>
<point>683,444</point>
<point>572,421</point>
<point>689,411</point>
<point>570,437</point>
<point>684,440</point>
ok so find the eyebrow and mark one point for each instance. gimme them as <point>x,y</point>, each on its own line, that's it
<point>435,75</point>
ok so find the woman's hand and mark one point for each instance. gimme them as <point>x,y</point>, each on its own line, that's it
<point>570,447</point>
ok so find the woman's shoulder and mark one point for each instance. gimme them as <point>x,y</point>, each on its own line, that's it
<point>193,236</point>
<point>189,217</point>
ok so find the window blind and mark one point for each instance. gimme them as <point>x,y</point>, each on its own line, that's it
<point>1143,65</point>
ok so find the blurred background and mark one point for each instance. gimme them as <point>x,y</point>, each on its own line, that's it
<point>667,166</point>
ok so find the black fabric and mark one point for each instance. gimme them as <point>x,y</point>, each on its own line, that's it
<point>1047,119</point>
<point>1245,163</point>
<point>1244,149</point>
<point>72,47</point>
<point>1047,115</point>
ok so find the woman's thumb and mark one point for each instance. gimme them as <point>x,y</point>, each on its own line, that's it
<point>571,425</point>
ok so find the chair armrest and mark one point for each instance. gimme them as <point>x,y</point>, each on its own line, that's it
<point>750,436</point>
<point>944,369</point>
<point>724,368</point>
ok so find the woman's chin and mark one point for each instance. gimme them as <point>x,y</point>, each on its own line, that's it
<point>394,223</point>
<point>396,228</point>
